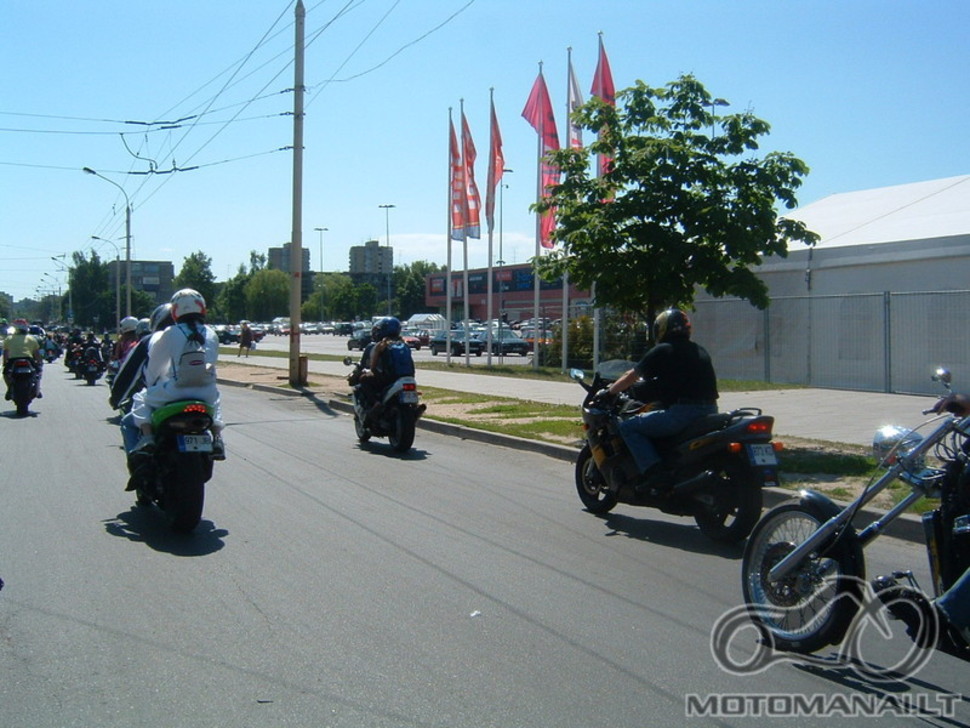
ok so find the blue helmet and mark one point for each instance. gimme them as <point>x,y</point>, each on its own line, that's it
<point>386,327</point>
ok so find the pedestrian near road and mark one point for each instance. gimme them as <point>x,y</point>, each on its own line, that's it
<point>245,339</point>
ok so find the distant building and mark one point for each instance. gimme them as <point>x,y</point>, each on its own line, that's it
<point>279,259</point>
<point>152,276</point>
<point>372,263</point>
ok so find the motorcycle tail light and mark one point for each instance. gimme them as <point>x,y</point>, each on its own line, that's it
<point>195,408</point>
<point>759,427</point>
<point>735,447</point>
<point>409,387</point>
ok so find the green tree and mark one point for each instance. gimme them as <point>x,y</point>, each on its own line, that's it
<point>267,294</point>
<point>410,287</point>
<point>685,203</point>
<point>92,292</point>
<point>196,272</point>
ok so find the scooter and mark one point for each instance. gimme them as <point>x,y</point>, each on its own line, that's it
<point>23,374</point>
<point>717,467</point>
<point>394,416</point>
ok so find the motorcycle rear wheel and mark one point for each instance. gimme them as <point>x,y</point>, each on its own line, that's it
<point>590,485</point>
<point>185,492</point>
<point>22,396</point>
<point>814,605</point>
<point>401,436</point>
<point>736,507</point>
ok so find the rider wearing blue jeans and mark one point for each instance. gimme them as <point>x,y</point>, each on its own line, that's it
<point>681,376</point>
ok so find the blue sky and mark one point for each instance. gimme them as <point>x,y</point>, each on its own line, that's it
<point>869,93</point>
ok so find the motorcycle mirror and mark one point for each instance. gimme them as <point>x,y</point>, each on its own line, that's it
<point>943,376</point>
<point>577,374</point>
<point>348,361</point>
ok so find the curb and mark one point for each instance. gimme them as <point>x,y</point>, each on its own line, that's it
<point>907,527</point>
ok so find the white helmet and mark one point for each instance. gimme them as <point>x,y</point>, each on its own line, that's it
<point>128,325</point>
<point>187,301</point>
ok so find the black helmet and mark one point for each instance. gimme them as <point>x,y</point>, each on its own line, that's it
<point>671,324</point>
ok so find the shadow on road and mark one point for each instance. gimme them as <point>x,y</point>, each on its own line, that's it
<point>685,536</point>
<point>146,524</point>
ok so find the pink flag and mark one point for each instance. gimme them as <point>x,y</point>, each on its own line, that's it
<point>604,89</point>
<point>575,101</point>
<point>459,197</point>
<point>538,112</point>
<point>473,202</point>
<point>496,165</point>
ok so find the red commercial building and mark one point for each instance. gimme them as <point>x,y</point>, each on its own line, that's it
<point>513,295</point>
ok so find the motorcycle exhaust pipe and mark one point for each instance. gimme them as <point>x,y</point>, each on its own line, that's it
<point>698,482</point>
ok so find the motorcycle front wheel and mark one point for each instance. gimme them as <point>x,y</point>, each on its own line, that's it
<point>401,436</point>
<point>363,434</point>
<point>734,507</point>
<point>590,484</point>
<point>813,605</point>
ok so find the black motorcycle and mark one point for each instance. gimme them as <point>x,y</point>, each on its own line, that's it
<point>92,365</point>
<point>394,415</point>
<point>804,572</point>
<point>23,387</point>
<point>174,476</point>
<point>716,467</point>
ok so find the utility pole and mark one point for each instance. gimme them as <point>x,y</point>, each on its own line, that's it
<point>297,372</point>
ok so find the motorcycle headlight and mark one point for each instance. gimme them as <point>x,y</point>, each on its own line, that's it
<point>893,442</point>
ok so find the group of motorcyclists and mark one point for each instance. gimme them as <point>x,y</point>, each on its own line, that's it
<point>676,372</point>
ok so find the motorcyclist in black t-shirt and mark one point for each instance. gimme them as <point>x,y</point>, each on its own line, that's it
<point>680,375</point>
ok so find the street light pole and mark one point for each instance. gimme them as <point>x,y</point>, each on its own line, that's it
<point>59,260</point>
<point>117,277</point>
<point>321,230</point>
<point>88,170</point>
<point>390,264</point>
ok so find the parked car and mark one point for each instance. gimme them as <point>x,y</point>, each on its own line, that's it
<point>359,340</point>
<point>506,342</point>
<point>422,335</point>
<point>439,343</point>
<point>413,341</point>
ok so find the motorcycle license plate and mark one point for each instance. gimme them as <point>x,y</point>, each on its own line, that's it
<point>195,443</point>
<point>409,397</point>
<point>762,455</point>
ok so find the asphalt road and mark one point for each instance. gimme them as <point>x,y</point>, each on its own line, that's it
<point>333,584</point>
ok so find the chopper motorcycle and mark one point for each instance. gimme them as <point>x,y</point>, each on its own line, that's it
<point>396,415</point>
<point>804,570</point>
<point>717,466</point>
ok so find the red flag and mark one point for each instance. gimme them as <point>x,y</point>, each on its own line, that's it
<point>496,165</point>
<point>538,112</point>
<point>604,89</point>
<point>473,201</point>
<point>459,198</point>
<point>574,102</point>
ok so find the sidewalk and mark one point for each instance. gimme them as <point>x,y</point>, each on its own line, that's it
<point>819,414</point>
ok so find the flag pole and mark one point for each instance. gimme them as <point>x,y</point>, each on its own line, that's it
<point>451,202</point>
<point>464,242</point>
<point>535,277</point>
<point>564,319</point>
<point>489,286</point>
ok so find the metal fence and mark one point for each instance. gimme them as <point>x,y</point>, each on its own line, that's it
<point>884,342</point>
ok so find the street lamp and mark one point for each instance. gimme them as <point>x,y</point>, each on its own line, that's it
<point>321,230</point>
<point>60,303</point>
<point>501,260</point>
<point>88,170</point>
<point>117,277</point>
<point>59,260</point>
<point>390,264</point>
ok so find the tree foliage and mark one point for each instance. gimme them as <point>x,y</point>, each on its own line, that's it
<point>196,273</point>
<point>267,293</point>
<point>684,203</point>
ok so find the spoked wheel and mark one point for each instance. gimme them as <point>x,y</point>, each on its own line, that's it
<point>402,435</point>
<point>734,507</point>
<point>813,605</point>
<point>590,484</point>
<point>185,492</point>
